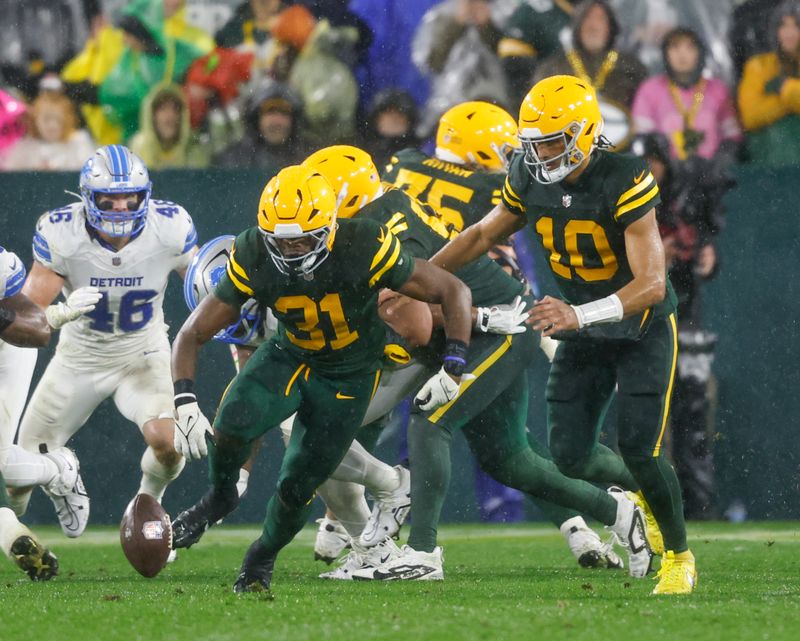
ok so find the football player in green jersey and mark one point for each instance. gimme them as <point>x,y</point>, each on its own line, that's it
<point>320,277</point>
<point>492,408</point>
<point>594,213</point>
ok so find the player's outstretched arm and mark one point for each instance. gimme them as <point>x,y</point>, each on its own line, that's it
<point>210,316</point>
<point>23,323</point>
<point>645,253</point>
<point>191,426</point>
<point>478,239</point>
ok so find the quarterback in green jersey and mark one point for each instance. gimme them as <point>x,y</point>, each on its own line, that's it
<point>491,411</point>
<point>320,277</point>
<point>594,213</point>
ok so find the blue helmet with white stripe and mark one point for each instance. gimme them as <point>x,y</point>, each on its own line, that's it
<point>115,169</point>
<point>205,271</point>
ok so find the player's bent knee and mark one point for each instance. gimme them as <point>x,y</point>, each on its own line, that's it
<point>294,494</point>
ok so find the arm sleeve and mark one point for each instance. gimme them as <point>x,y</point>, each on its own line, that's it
<point>12,274</point>
<point>45,244</point>
<point>234,287</point>
<point>514,186</point>
<point>638,193</point>
<point>391,265</point>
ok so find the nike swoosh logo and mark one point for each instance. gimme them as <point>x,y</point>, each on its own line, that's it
<point>384,559</point>
<point>344,397</point>
<point>403,572</point>
<point>638,178</point>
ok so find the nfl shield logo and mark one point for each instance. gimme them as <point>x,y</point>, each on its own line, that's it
<point>117,261</point>
<point>566,200</point>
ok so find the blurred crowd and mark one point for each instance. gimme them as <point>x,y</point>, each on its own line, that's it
<point>694,87</point>
<point>234,83</point>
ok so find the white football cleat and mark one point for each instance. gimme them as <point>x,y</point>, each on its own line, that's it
<point>389,512</point>
<point>586,546</point>
<point>361,558</point>
<point>68,469</point>
<point>630,532</point>
<point>70,499</point>
<point>332,538</point>
<point>409,565</point>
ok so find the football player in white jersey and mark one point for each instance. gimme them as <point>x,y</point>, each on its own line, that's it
<point>23,327</point>
<point>124,243</point>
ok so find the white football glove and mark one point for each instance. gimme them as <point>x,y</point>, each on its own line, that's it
<point>191,427</point>
<point>78,303</point>
<point>549,346</point>
<point>503,319</point>
<point>438,390</point>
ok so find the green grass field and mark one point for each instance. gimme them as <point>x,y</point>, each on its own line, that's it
<point>501,583</point>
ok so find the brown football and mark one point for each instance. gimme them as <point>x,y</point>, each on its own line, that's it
<point>146,535</point>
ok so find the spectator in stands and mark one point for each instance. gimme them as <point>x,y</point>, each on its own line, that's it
<point>456,45</point>
<point>695,113</point>
<point>689,218</point>
<point>12,124</point>
<point>750,31</point>
<point>85,72</point>
<point>310,56</point>
<point>149,58</point>
<point>594,58</point>
<point>534,32</point>
<point>391,122</point>
<point>769,93</point>
<point>176,26</point>
<point>165,138</point>
<point>393,23</point>
<point>212,85</point>
<point>249,30</point>
<point>272,137</point>
<point>54,141</point>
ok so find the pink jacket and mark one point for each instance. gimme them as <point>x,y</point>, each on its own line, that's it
<point>654,111</point>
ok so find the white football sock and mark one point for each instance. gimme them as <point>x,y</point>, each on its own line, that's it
<point>156,476</point>
<point>347,502</point>
<point>359,466</point>
<point>10,530</point>
<point>26,469</point>
<point>241,484</point>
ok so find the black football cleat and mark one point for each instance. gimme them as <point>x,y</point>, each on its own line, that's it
<point>190,525</point>
<point>256,572</point>
<point>34,559</point>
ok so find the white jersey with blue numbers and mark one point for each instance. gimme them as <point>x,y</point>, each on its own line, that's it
<point>129,319</point>
<point>12,274</point>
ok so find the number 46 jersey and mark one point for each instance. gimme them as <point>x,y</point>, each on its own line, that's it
<point>129,318</point>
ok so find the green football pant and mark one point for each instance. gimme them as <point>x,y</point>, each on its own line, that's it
<point>582,381</point>
<point>492,411</point>
<point>271,387</point>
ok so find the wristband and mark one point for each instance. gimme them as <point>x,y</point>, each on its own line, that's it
<point>454,361</point>
<point>596,312</point>
<point>184,392</point>
<point>7,317</point>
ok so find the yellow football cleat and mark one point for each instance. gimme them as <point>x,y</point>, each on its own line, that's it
<point>654,537</point>
<point>677,575</point>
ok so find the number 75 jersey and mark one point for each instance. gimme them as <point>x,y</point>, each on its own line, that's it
<point>129,318</point>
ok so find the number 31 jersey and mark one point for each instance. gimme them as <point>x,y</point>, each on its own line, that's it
<point>129,318</point>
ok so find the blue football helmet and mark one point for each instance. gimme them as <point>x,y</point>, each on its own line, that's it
<point>115,169</point>
<point>205,271</point>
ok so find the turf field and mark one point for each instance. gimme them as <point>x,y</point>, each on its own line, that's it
<point>501,584</point>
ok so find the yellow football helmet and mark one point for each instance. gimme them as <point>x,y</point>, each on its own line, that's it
<point>477,133</point>
<point>352,174</point>
<point>559,108</point>
<point>298,203</point>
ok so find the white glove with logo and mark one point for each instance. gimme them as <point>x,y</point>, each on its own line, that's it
<point>78,303</point>
<point>548,346</point>
<point>438,390</point>
<point>503,319</point>
<point>191,427</point>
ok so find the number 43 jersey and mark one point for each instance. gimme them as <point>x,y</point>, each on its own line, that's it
<point>129,318</point>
